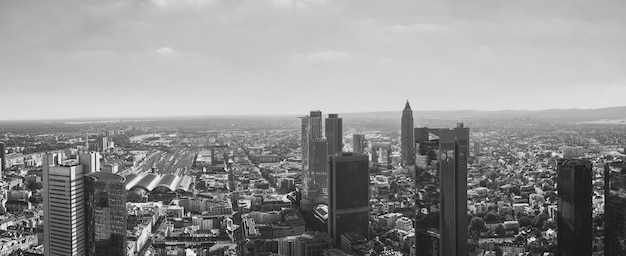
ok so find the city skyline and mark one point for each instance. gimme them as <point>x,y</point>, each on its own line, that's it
<point>165,57</point>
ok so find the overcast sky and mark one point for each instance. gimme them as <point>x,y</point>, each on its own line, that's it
<point>113,58</point>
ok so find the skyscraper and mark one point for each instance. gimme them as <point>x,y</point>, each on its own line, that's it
<point>105,214</point>
<point>441,179</point>
<point>334,134</point>
<point>614,210</point>
<point>90,161</point>
<point>348,185</point>
<point>574,220</point>
<point>358,143</point>
<point>2,159</point>
<point>406,135</point>
<point>64,208</point>
<point>311,130</point>
<point>320,168</point>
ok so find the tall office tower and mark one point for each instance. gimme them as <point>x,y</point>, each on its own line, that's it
<point>441,226</point>
<point>358,143</point>
<point>2,159</point>
<point>86,141</point>
<point>348,185</point>
<point>334,134</point>
<point>574,220</point>
<point>406,135</point>
<point>311,130</point>
<point>476,149</point>
<point>105,143</point>
<point>64,208</point>
<point>320,168</point>
<point>614,210</point>
<point>90,162</point>
<point>105,214</point>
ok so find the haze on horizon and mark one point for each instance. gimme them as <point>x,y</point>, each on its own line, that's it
<point>135,58</point>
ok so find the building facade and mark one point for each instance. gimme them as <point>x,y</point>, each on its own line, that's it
<point>406,136</point>
<point>105,214</point>
<point>334,134</point>
<point>574,220</point>
<point>358,143</point>
<point>311,131</point>
<point>614,211</point>
<point>64,208</point>
<point>348,207</point>
<point>442,170</point>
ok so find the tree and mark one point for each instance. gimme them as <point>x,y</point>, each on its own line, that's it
<point>499,230</point>
<point>524,221</point>
<point>539,219</point>
<point>477,224</point>
<point>491,218</point>
<point>548,224</point>
<point>514,190</point>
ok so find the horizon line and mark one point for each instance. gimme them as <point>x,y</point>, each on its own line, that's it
<point>185,117</point>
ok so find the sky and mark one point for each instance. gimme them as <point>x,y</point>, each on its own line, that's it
<point>133,58</point>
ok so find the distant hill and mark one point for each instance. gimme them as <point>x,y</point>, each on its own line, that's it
<point>612,114</point>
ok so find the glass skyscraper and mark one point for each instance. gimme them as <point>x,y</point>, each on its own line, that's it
<point>348,184</point>
<point>334,134</point>
<point>105,214</point>
<point>574,219</point>
<point>615,210</point>
<point>441,169</point>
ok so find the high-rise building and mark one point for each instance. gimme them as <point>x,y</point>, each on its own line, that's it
<point>90,161</point>
<point>104,144</point>
<point>64,208</point>
<point>2,159</point>
<point>348,185</point>
<point>358,143</point>
<point>105,214</point>
<point>334,134</point>
<point>614,210</point>
<point>320,168</point>
<point>574,219</point>
<point>476,149</point>
<point>406,136</point>
<point>311,130</point>
<point>441,221</point>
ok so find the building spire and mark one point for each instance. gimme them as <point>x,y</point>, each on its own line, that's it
<point>407,106</point>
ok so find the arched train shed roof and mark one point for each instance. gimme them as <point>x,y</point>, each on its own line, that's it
<point>131,180</point>
<point>152,182</point>
<point>148,182</point>
<point>167,183</point>
<point>184,184</point>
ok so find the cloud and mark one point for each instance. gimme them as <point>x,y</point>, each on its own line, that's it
<point>324,56</point>
<point>165,51</point>
<point>183,3</point>
<point>300,4</point>
<point>417,27</point>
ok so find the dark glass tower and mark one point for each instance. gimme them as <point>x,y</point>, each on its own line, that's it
<point>614,210</point>
<point>105,214</point>
<point>334,134</point>
<point>574,220</point>
<point>2,158</point>
<point>406,135</point>
<point>441,181</point>
<point>348,207</point>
